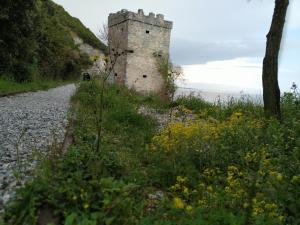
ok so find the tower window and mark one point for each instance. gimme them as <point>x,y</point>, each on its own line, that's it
<point>147,31</point>
<point>116,74</point>
<point>129,51</point>
<point>144,76</point>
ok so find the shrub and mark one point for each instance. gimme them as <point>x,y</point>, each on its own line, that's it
<point>226,165</point>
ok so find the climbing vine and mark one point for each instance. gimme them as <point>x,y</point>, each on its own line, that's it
<point>169,73</point>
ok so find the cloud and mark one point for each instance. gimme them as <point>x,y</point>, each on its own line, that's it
<point>293,16</point>
<point>240,73</point>
<point>197,52</point>
<point>234,75</point>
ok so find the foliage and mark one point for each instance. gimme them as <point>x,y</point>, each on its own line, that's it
<point>17,54</point>
<point>221,109</point>
<point>226,165</point>
<point>242,166</point>
<point>11,87</point>
<point>36,41</point>
<point>83,186</point>
<point>169,73</point>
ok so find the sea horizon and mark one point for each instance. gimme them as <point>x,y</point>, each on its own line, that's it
<point>219,95</point>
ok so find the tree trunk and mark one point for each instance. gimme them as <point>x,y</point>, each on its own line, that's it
<point>271,91</point>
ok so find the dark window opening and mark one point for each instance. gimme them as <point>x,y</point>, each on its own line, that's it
<point>159,55</point>
<point>144,76</point>
<point>129,51</point>
<point>147,32</point>
<point>86,76</point>
<point>116,74</point>
<point>122,29</point>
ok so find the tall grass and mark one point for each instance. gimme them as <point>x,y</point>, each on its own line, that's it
<point>229,165</point>
<point>10,87</point>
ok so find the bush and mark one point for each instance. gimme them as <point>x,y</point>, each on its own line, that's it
<point>226,165</point>
<point>236,168</point>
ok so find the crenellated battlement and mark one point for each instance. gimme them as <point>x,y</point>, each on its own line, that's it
<point>151,19</point>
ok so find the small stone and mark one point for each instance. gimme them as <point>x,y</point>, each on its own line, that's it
<point>156,196</point>
<point>5,198</point>
<point>28,123</point>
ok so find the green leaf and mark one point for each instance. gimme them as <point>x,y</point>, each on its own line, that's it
<point>109,221</point>
<point>71,219</point>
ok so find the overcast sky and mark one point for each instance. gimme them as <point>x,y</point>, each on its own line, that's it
<point>216,41</point>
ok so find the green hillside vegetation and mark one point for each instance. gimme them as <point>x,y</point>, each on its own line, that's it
<point>36,41</point>
<point>9,87</point>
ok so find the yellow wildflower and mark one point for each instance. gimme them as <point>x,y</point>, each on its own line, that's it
<point>245,205</point>
<point>178,203</point>
<point>270,206</point>
<point>206,172</point>
<point>175,187</point>
<point>195,191</point>
<point>210,189</point>
<point>201,202</point>
<point>266,162</point>
<point>295,179</point>
<point>180,179</point>
<point>189,208</point>
<point>272,173</point>
<point>279,177</point>
<point>227,189</point>
<point>86,205</point>
<point>201,185</point>
<point>74,198</point>
<point>185,190</point>
<point>233,168</point>
<point>238,115</point>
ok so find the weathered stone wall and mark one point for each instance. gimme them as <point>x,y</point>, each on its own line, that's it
<point>142,66</point>
<point>145,37</point>
<point>118,40</point>
<point>99,64</point>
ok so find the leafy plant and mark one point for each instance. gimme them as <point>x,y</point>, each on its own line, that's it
<point>225,165</point>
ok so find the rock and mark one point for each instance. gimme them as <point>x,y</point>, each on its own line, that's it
<point>5,198</point>
<point>178,115</point>
<point>156,196</point>
<point>29,122</point>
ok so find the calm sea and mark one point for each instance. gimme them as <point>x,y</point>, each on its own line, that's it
<point>216,96</point>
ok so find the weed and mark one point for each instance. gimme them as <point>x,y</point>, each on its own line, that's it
<point>227,165</point>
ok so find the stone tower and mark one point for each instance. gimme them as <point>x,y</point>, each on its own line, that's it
<point>145,40</point>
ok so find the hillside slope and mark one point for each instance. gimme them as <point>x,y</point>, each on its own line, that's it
<point>36,41</point>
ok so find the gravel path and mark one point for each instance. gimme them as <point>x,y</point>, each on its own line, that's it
<point>29,122</point>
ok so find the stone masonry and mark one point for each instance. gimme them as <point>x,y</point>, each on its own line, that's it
<point>144,40</point>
